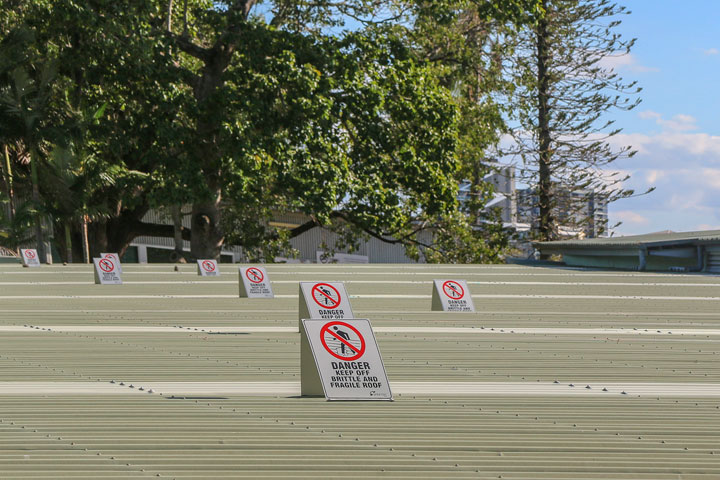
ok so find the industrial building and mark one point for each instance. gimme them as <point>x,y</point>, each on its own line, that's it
<point>660,251</point>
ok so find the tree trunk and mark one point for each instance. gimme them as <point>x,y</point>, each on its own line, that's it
<point>36,202</point>
<point>85,241</point>
<point>207,236</point>
<point>168,22</point>
<point>9,183</point>
<point>176,211</point>
<point>68,244</point>
<point>545,200</point>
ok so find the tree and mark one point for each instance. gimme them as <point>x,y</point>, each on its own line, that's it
<point>564,94</point>
<point>28,115</point>
<point>469,42</point>
<point>244,109</point>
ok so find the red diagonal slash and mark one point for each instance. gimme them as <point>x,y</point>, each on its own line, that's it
<point>343,340</point>
<point>334,302</point>
<point>450,285</point>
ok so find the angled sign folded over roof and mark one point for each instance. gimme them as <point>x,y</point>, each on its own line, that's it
<point>341,360</point>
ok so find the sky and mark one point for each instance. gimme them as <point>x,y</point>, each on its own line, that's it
<point>676,128</point>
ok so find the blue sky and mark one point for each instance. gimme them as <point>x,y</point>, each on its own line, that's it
<point>675,129</point>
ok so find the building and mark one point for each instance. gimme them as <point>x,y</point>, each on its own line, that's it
<point>660,251</point>
<point>580,213</point>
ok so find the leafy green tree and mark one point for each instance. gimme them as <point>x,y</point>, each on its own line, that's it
<point>470,44</point>
<point>28,119</point>
<point>244,109</point>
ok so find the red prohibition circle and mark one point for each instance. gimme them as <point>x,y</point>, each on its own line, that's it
<point>257,272</point>
<point>208,266</point>
<point>103,263</point>
<point>316,288</point>
<point>358,351</point>
<point>29,254</point>
<point>451,286</point>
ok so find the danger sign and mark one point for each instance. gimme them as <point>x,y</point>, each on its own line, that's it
<point>326,295</point>
<point>208,268</point>
<point>115,258</point>
<point>452,296</point>
<point>29,257</point>
<point>324,300</point>
<point>346,362</point>
<point>453,290</point>
<point>255,275</point>
<point>255,283</point>
<point>106,265</point>
<point>342,341</point>
<point>105,272</point>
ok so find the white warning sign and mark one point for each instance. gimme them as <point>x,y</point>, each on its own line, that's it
<point>347,361</point>
<point>29,257</point>
<point>115,258</point>
<point>324,300</point>
<point>106,272</point>
<point>255,283</point>
<point>208,268</point>
<point>452,296</point>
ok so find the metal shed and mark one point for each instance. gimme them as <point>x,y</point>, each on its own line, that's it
<point>660,251</point>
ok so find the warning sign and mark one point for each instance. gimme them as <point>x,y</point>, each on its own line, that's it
<point>346,362</point>
<point>326,295</point>
<point>451,296</point>
<point>208,268</point>
<point>29,257</point>
<point>254,283</point>
<point>324,300</point>
<point>342,341</point>
<point>115,258</point>
<point>453,290</point>
<point>106,272</point>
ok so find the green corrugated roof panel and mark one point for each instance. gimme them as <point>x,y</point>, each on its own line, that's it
<point>659,329</point>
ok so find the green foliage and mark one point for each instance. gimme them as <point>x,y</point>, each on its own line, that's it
<point>16,230</point>
<point>335,109</point>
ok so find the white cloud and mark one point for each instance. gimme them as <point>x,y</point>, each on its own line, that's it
<point>678,123</point>
<point>685,169</point>
<point>630,217</point>
<point>692,143</point>
<point>711,51</point>
<point>625,61</point>
<point>711,177</point>
<point>652,176</point>
<point>693,200</point>
<point>649,114</point>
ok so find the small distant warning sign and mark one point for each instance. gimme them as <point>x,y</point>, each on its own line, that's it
<point>347,361</point>
<point>254,283</point>
<point>324,300</point>
<point>452,296</point>
<point>106,272</point>
<point>115,258</point>
<point>208,268</point>
<point>29,257</point>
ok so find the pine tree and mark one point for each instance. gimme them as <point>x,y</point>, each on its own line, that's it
<point>564,95</point>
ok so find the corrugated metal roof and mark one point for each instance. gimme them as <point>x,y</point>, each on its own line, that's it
<point>637,240</point>
<point>637,332</point>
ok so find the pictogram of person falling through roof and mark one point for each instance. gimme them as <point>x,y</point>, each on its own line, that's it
<point>327,299</point>
<point>343,335</point>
